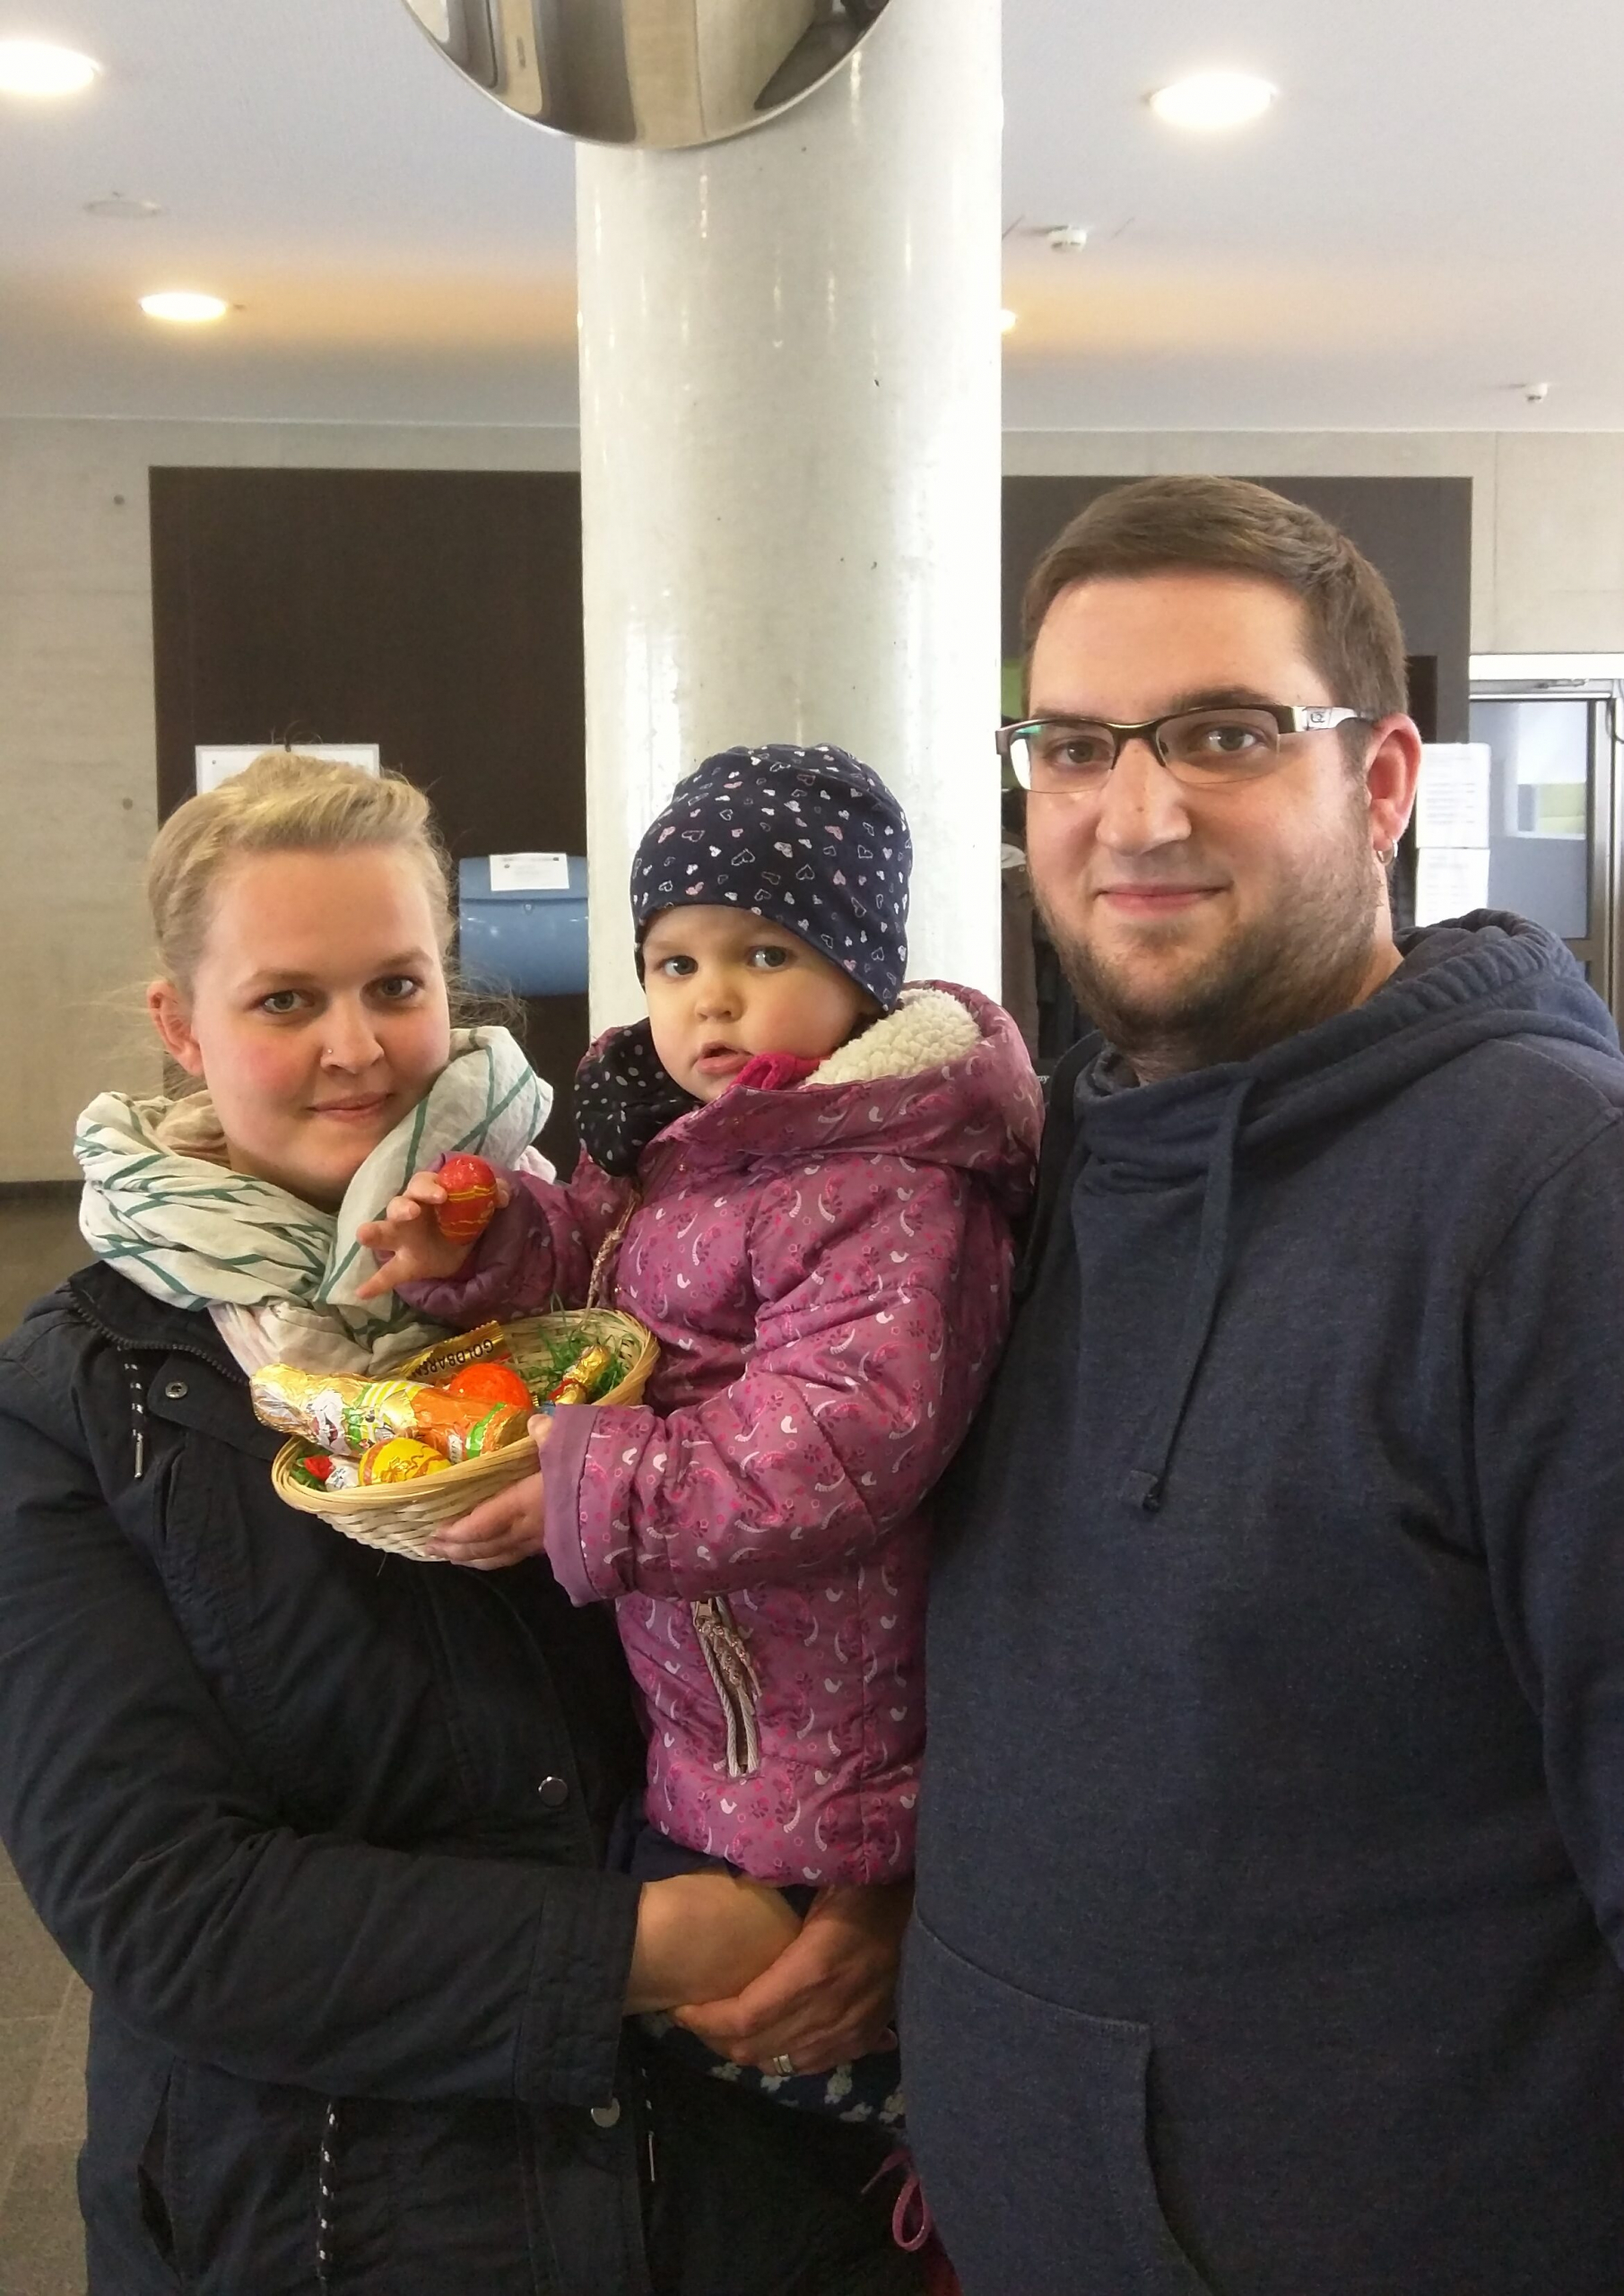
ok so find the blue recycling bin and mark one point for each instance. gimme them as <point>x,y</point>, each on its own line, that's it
<point>525,941</point>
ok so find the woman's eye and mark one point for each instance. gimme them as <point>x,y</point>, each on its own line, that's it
<point>397,986</point>
<point>279,1003</point>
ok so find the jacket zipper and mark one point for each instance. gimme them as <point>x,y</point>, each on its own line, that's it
<point>128,1350</point>
<point>733,1676</point>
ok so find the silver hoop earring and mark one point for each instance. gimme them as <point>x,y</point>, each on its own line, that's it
<point>1387,856</point>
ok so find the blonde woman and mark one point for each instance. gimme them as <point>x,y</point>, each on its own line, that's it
<point>321,1829</point>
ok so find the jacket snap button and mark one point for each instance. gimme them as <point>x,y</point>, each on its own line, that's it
<point>606,2115</point>
<point>554,1792</point>
<point>175,1389</point>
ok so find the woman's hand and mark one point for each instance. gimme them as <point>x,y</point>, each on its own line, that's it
<point>828,1997</point>
<point>699,1932</point>
<point>407,1243</point>
<point>500,1531</point>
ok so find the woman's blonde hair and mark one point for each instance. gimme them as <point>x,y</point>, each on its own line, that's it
<point>283,802</point>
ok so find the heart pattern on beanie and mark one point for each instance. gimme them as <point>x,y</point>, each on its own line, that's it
<point>791,803</point>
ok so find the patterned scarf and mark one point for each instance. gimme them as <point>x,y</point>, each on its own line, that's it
<point>623,1097</point>
<point>280,1275</point>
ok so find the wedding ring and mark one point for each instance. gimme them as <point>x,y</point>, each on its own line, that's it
<point>784,2067</point>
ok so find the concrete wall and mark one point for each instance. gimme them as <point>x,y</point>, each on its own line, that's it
<point>76,744</point>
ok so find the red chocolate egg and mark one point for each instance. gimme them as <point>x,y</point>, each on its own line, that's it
<point>470,1186</point>
<point>490,1383</point>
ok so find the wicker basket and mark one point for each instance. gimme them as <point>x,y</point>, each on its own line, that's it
<point>402,1517</point>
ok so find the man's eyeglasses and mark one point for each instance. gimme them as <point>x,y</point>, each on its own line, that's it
<point>1202,749</point>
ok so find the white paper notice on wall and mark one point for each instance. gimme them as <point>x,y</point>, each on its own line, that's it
<point>1452,798</point>
<point>530,872</point>
<point>219,762</point>
<point>1450,881</point>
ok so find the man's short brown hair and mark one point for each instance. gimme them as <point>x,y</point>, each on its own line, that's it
<point>1158,525</point>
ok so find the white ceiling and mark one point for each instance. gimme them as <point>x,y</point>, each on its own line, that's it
<point>1432,218</point>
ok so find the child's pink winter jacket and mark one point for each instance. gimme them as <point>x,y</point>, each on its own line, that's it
<point>826,1270</point>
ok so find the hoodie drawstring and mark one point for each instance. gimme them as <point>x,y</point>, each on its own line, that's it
<point>1142,1486</point>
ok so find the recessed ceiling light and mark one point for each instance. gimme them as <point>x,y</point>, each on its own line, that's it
<point>182,304</point>
<point>117,209</point>
<point>1007,319</point>
<point>1214,99</point>
<point>31,67</point>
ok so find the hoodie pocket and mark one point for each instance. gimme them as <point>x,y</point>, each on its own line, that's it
<point>1027,2120</point>
<point>152,2181</point>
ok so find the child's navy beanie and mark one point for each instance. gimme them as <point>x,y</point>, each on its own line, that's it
<point>810,838</point>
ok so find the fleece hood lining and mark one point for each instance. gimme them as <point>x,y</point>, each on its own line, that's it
<point>926,1029</point>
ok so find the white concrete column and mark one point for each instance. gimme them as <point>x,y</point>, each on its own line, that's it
<point>790,464</point>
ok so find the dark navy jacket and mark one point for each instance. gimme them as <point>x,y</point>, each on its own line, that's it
<point>1272,1871</point>
<point>321,1829</point>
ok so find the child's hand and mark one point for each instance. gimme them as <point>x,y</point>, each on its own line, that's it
<point>499,1533</point>
<point>407,1241</point>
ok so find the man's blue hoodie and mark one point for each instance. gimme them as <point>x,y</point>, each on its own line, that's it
<point>1271,1871</point>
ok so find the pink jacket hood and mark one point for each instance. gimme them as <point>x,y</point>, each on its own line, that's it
<point>944,1078</point>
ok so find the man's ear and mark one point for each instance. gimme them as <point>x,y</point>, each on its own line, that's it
<point>173,1023</point>
<point>1390,774</point>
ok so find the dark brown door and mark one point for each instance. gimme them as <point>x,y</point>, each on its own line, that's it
<point>436,612</point>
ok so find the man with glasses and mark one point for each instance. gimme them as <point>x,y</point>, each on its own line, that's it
<point>1272,1870</point>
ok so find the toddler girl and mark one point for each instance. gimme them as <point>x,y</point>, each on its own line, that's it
<point>800,1176</point>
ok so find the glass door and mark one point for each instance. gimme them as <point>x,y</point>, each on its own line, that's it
<point>1554,809</point>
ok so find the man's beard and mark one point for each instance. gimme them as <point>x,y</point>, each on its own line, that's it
<point>1307,960</point>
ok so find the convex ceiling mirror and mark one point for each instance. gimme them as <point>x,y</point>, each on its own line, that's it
<point>662,73</point>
